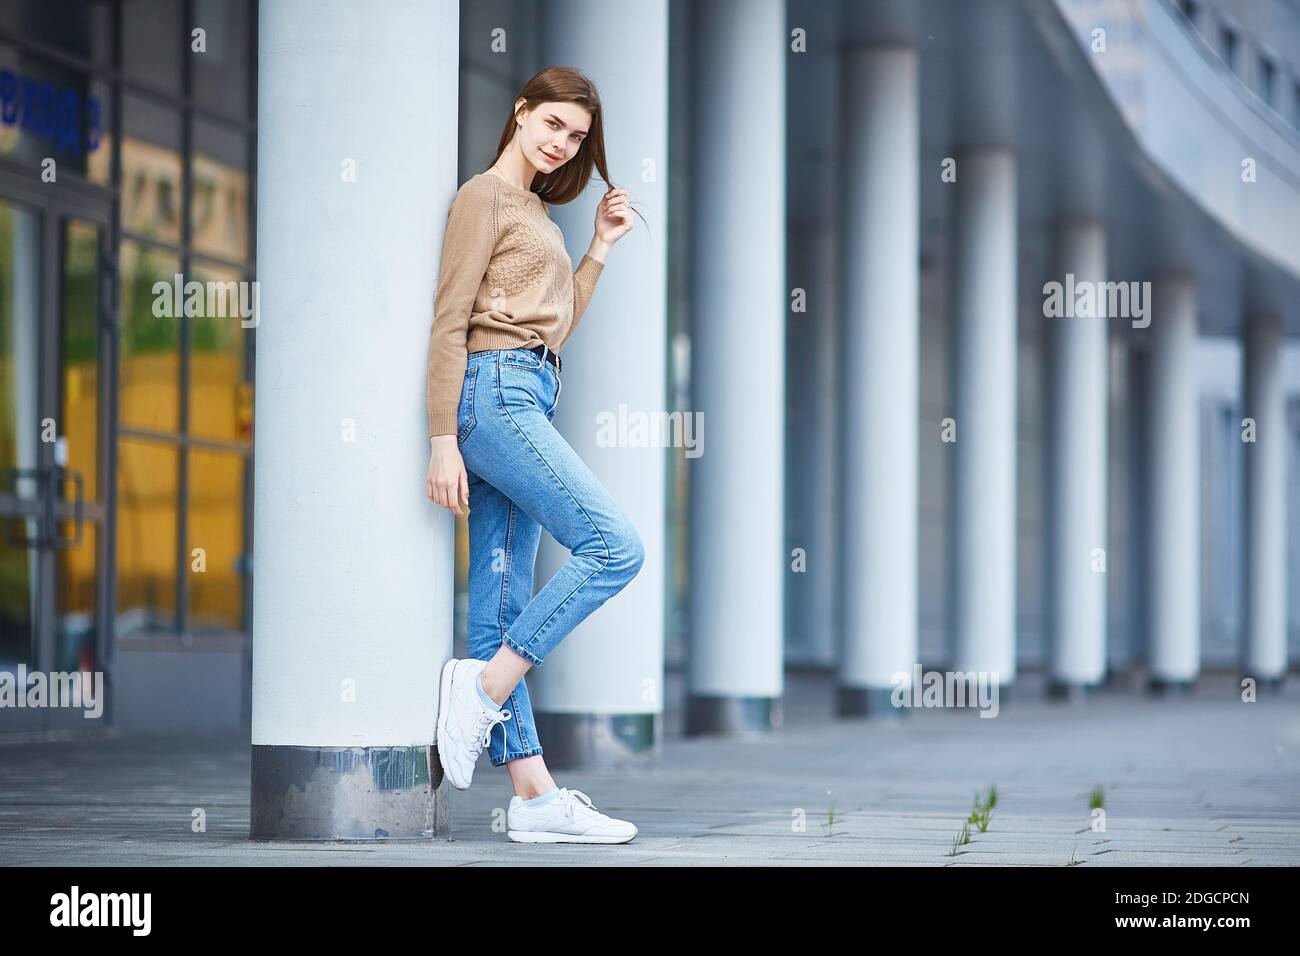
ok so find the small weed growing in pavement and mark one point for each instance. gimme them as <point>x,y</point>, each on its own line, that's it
<point>961,839</point>
<point>828,825</point>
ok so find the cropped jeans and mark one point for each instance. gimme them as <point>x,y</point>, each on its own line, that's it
<point>523,476</point>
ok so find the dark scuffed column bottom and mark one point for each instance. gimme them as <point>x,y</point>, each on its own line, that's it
<point>576,741</point>
<point>737,716</point>
<point>347,793</point>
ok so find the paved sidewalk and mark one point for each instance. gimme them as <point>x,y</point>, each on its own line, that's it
<point>1202,780</point>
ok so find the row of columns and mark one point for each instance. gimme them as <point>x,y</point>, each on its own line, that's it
<point>348,647</point>
<point>878,281</point>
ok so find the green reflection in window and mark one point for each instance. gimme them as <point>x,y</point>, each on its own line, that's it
<point>150,370</point>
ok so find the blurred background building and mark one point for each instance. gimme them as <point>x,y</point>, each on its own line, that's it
<point>124,160</point>
<point>906,175</point>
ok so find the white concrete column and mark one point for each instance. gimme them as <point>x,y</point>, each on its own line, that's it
<point>1264,586</point>
<point>880,230</point>
<point>352,592</point>
<point>738,319</point>
<point>598,701</point>
<point>984,476</point>
<point>1076,365</point>
<point>1173,492</point>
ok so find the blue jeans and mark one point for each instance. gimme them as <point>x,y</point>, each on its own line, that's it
<point>523,476</point>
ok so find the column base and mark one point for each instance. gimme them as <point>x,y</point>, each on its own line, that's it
<point>598,741</point>
<point>1271,684</point>
<point>1070,692</point>
<point>707,714</point>
<point>1117,678</point>
<point>1005,695</point>
<point>866,702</point>
<point>347,793</point>
<point>1167,687</point>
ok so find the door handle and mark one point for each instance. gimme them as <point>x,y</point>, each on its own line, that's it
<point>59,542</point>
<point>50,481</point>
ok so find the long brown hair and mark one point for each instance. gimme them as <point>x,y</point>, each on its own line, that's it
<point>563,84</point>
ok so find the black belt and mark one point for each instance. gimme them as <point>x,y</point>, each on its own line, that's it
<point>552,357</point>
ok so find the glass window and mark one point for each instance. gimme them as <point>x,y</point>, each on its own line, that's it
<point>1228,47</point>
<point>99,134</point>
<point>215,552</point>
<point>222,70</point>
<point>146,536</point>
<point>151,170</point>
<point>151,42</point>
<point>149,377</point>
<point>1264,87</point>
<point>219,202</point>
<point>51,112</point>
<point>220,398</point>
<point>83,30</point>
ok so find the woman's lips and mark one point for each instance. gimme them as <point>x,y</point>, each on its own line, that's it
<point>554,159</point>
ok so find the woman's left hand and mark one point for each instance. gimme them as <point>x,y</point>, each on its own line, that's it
<point>613,216</point>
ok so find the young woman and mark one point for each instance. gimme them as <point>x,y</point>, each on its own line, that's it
<point>507,301</point>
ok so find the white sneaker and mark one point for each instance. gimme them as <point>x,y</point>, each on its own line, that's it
<point>570,817</point>
<point>464,724</point>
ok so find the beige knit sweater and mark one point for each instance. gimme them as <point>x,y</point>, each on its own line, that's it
<point>504,282</point>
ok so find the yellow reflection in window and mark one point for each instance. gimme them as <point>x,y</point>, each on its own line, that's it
<point>146,535</point>
<point>215,549</point>
<point>220,400</point>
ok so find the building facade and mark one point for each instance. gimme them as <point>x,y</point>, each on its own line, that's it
<point>915,461</point>
<point>126,423</point>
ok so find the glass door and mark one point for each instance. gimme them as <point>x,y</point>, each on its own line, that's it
<point>22,517</point>
<point>54,428</point>
<point>76,486</point>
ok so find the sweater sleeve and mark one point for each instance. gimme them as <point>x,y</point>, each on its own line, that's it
<point>467,247</point>
<point>584,286</point>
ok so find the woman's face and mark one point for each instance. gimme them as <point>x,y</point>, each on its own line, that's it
<point>551,133</point>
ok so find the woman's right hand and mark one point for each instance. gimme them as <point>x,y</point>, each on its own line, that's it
<point>446,483</point>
